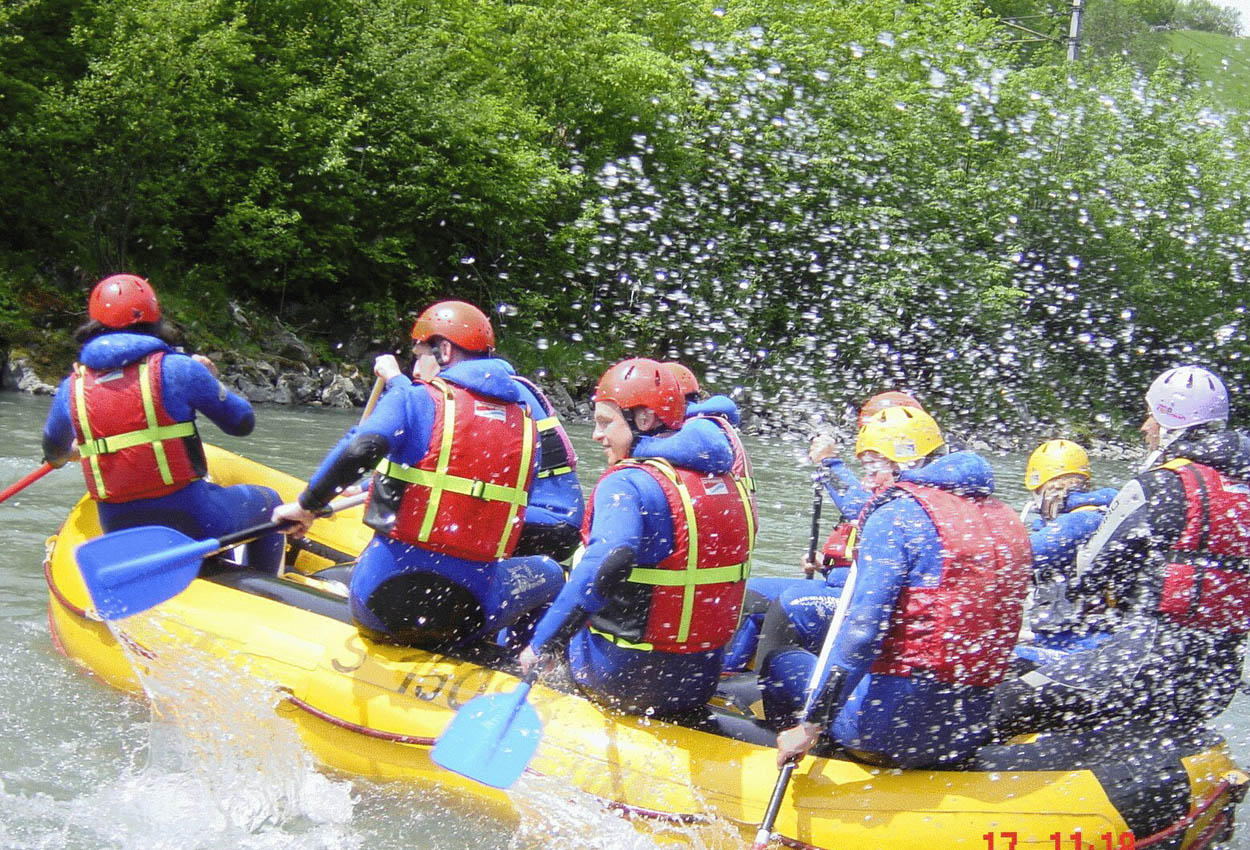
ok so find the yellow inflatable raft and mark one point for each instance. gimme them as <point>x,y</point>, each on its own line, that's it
<point>375,710</point>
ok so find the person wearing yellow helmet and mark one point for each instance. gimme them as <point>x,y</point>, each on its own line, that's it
<point>928,620</point>
<point>782,610</point>
<point>1169,567</point>
<point>1068,513</point>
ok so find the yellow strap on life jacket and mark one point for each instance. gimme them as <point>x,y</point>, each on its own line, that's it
<point>80,402</point>
<point>692,575</point>
<point>154,434</point>
<point>439,480</point>
<point>620,641</point>
<point>1176,463</point>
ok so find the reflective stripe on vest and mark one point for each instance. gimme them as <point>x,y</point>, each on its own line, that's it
<point>620,641</point>
<point>154,434</point>
<point>692,575</point>
<point>439,480</point>
<point>550,423</point>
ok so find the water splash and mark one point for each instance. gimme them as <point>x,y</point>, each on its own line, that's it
<point>220,767</point>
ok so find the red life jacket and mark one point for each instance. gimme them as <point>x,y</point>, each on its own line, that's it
<point>1206,582</point>
<point>467,496</point>
<point>742,462</point>
<point>691,600</point>
<point>839,548</point>
<point>131,447</point>
<point>963,630</point>
<point>559,457</point>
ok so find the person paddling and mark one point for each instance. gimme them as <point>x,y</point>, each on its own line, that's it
<point>456,453</point>
<point>1170,563</point>
<point>129,408</point>
<point>658,590</point>
<point>932,616</point>
<point>785,610</point>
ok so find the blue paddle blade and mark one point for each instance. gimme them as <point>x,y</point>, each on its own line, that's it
<point>131,570</point>
<point>491,739</point>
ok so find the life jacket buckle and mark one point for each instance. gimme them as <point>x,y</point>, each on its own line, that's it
<point>477,489</point>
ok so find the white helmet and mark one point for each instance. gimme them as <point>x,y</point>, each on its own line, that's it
<point>1187,396</point>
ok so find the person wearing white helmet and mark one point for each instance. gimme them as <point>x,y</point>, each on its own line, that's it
<point>1170,567</point>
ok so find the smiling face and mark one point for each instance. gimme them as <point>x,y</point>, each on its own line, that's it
<point>612,431</point>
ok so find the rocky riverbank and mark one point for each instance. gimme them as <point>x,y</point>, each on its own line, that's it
<point>287,371</point>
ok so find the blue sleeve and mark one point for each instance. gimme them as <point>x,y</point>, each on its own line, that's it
<point>619,507</point>
<point>404,415</point>
<point>700,444</point>
<point>1096,498</point>
<point>189,388</point>
<point>58,428</point>
<point>844,488</point>
<point>894,537</point>
<point>1055,543</point>
<point>717,405</point>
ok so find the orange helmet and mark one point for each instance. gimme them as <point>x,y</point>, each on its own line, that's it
<point>122,300</point>
<point>459,322</point>
<point>686,380</point>
<point>881,401</point>
<point>640,382</point>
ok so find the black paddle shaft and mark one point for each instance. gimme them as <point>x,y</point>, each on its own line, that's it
<point>247,535</point>
<point>814,539</point>
<point>774,802</point>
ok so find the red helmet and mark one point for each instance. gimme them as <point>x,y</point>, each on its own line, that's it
<point>459,322</point>
<point>686,380</point>
<point>644,383</point>
<point>122,300</point>
<point>881,401</point>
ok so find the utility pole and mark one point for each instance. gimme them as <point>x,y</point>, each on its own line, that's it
<point>1074,31</point>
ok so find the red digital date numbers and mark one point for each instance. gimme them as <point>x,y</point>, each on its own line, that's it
<point>1072,841</point>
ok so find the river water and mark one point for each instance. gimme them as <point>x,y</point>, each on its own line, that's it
<point>83,766</point>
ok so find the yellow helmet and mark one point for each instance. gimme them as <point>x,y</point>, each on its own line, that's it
<point>900,433</point>
<point>1052,459</point>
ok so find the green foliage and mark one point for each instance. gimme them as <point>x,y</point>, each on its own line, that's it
<point>829,198</point>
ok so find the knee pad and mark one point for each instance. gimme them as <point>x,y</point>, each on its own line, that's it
<point>420,609</point>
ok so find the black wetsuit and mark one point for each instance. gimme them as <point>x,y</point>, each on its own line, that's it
<point>1150,669</point>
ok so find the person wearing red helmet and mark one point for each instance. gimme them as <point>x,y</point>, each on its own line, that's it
<point>647,611</point>
<point>130,406</point>
<point>455,455</point>
<point>452,331</point>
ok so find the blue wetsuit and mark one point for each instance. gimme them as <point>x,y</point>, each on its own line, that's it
<point>1054,620</point>
<point>200,509</point>
<point>630,511</point>
<point>406,594</point>
<point>553,516</point>
<point>896,720</point>
<point>807,605</point>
